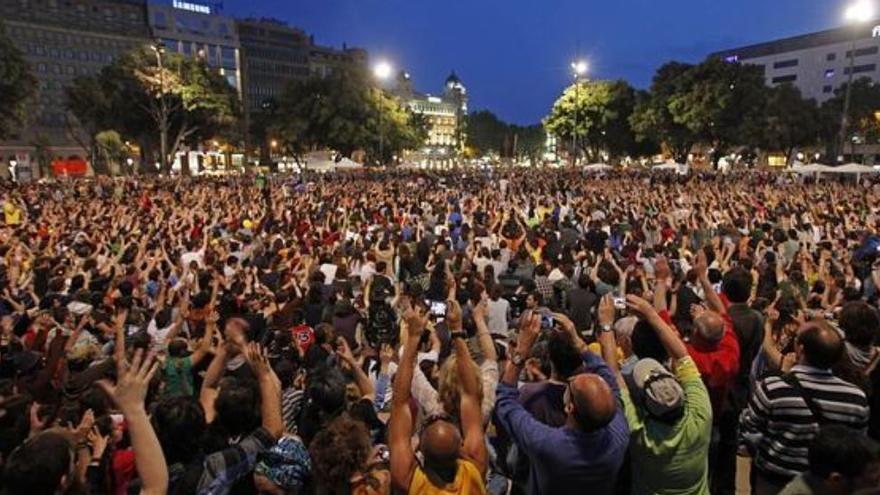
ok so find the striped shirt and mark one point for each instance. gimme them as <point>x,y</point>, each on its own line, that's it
<point>779,422</point>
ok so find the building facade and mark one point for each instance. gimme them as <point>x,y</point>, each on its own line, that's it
<point>324,60</point>
<point>63,39</point>
<point>444,116</point>
<point>273,54</point>
<point>816,63</point>
<point>196,30</point>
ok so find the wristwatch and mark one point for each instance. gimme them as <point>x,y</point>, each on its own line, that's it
<point>518,360</point>
<point>605,328</point>
<point>458,335</point>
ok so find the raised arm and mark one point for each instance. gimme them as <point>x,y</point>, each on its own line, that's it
<point>403,459</point>
<point>128,394</point>
<point>667,335</point>
<point>701,266</point>
<point>270,391</point>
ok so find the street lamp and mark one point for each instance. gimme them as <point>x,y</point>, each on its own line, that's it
<point>159,48</point>
<point>857,13</point>
<point>382,71</point>
<point>579,67</point>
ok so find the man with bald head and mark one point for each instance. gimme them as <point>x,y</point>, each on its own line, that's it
<point>453,449</point>
<point>785,413</point>
<point>587,452</point>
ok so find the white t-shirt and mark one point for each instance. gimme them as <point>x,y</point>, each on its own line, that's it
<point>497,316</point>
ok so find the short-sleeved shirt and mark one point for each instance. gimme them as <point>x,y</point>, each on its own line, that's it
<point>672,458</point>
<point>11,213</point>
<point>468,481</point>
<point>178,377</point>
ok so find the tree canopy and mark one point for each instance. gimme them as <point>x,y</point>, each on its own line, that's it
<point>600,110</point>
<point>346,112</point>
<point>17,86</point>
<point>126,96</point>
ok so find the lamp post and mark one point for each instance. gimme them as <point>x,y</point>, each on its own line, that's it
<point>159,48</point>
<point>382,71</point>
<point>579,68</point>
<point>856,14</point>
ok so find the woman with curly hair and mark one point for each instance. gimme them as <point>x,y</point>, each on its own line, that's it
<point>344,461</point>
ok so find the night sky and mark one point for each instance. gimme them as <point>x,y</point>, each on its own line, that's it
<point>513,55</point>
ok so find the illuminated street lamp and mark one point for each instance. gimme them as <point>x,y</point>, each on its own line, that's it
<point>857,13</point>
<point>579,67</point>
<point>382,71</point>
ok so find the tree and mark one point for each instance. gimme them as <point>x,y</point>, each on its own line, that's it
<point>128,95</point>
<point>17,86</point>
<point>721,103</point>
<point>863,123</point>
<point>530,141</point>
<point>790,121</point>
<point>486,133</point>
<point>345,112</point>
<point>652,119</point>
<point>111,152</point>
<point>601,111</point>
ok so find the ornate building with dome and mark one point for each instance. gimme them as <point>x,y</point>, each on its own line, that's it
<point>444,115</point>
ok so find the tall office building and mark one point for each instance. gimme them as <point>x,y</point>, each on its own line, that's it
<point>197,30</point>
<point>273,54</point>
<point>63,39</point>
<point>325,59</point>
<point>816,63</point>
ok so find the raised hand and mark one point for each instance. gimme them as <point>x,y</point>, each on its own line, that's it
<point>132,383</point>
<point>257,358</point>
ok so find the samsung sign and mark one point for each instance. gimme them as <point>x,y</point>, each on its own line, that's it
<point>192,7</point>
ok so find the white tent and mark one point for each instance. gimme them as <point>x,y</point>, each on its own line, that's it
<point>408,166</point>
<point>812,168</point>
<point>680,168</point>
<point>852,168</point>
<point>596,167</point>
<point>347,164</point>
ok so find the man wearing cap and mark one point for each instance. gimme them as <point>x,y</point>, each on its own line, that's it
<point>669,414</point>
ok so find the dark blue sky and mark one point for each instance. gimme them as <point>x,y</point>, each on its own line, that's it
<point>513,55</point>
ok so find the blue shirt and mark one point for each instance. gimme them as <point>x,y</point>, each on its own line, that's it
<point>566,460</point>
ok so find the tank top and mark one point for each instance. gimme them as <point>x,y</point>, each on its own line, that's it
<point>468,481</point>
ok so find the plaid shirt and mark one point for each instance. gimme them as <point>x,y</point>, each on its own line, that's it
<point>222,469</point>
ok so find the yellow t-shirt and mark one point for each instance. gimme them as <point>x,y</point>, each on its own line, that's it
<point>11,213</point>
<point>468,481</point>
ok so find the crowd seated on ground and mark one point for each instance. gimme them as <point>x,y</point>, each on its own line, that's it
<point>471,332</point>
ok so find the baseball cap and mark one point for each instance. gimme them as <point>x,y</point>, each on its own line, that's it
<point>660,391</point>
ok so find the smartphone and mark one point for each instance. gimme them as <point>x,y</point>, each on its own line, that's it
<point>438,308</point>
<point>546,321</point>
<point>619,303</point>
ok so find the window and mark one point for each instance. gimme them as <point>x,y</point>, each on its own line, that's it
<point>827,89</point>
<point>861,68</point>
<point>831,57</point>
<point>785,63</point>
<point>785,79</point>
<point>861,52</point>
<point>829,73</point>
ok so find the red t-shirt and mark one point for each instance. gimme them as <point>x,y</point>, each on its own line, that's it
<point>718,366</point>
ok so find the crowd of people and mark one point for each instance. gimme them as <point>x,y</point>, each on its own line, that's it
<point>430,333</point>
